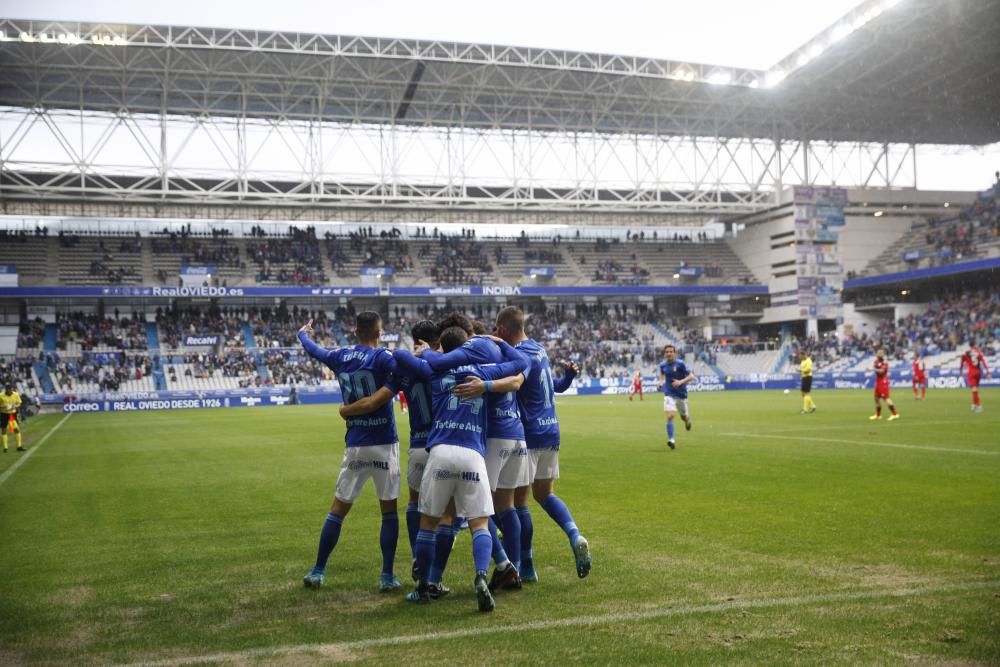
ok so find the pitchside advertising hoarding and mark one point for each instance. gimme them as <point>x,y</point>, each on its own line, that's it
<point>282,396</point>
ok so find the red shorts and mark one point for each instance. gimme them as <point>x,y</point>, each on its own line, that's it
<point>919,379</point>
<point>973,380</point>
<point>637,387</point>
<point>881,392</point>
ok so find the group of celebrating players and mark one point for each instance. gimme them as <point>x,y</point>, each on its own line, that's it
<point>972,365</point>
<point>484,436</point>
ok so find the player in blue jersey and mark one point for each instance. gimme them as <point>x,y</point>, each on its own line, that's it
<point>536,404</point>
<point>674,379</point>
<point>506,452</point>
<point>456,467</point>
<point>372,445</point>
<point>417,393</point>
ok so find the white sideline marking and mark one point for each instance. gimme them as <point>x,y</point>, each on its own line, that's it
<point>801,428</point>
<point>951,450</point>
<point>34,448</point>
<point>601,619</point>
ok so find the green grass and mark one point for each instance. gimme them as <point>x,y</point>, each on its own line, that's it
<point>168,535</point>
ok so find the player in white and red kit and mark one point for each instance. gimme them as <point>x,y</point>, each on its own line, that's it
<point>974,361</point>
<point>636,385</point>
<point>881,368</point>
<point>919,377</point>
<point>403,405</point>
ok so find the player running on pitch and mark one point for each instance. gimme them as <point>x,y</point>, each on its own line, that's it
<point>636,385</point>
<point>674,379</point>
<point>10,402</point>
<point>974,360</point>
<point>919,377</point>
<point>881,368</point>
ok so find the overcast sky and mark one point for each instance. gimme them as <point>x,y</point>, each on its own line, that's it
<point>723,32</point>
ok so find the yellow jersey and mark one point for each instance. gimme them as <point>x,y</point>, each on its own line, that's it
<point>9,403</point>
<point>806,367</point>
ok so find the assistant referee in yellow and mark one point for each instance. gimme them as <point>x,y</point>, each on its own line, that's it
<point>10,402</point>
<point>806,369</point>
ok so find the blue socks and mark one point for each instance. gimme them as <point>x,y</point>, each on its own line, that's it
<point>510,524</point>
<point>424,553</point>
<point>560,514</point>
<point>499,555</point>
<point>443,542</point>
<point>527,532</point>
<point>327,541</point>
<point>412,526</point>
<point>387,539</point>
<point>670,429</point>
<point>482,545</point>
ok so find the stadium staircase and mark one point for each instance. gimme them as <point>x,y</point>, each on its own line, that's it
<point>251,345</point>
<point>44,379</point>
<point>49,340</point>
<point>786,351</point>
<point>153,343</point>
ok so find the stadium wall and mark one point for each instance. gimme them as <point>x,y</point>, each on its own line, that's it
<point>281,396</point>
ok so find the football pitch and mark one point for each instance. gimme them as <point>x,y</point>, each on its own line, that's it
<point>767,537</point>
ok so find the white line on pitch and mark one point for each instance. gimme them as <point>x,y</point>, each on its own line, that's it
<point>602,619</point>
<point>27,455</point>
<point>866,443</point>
<point>826,427</point>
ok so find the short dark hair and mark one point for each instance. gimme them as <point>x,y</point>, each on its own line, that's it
<point>668,346</point>
<point>511,318</point>
<point>478,327</point>
<point>368,323</point>
<point>456,319</point>
<point>452,338</point>
<point>426,331</point>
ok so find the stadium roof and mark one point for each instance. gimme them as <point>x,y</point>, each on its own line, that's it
<point>923,72</point>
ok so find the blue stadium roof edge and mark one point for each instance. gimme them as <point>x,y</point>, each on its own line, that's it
<point>991,264</point>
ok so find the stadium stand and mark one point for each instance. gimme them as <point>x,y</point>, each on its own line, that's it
<point>175,251</point>
<point>941,335</point>
<point>100,261</point>
<point>973,232</point>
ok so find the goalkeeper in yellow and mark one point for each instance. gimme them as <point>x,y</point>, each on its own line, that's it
<point>10,402</point>
<point>806,369</point>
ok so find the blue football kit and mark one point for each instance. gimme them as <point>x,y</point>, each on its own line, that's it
<point>361,371</point>
<point>675,370</point>
<point>456,422</point>
<point>504,418</point>
<point>535,398</point>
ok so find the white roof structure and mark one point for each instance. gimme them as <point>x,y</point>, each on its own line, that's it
<point>147,113</point>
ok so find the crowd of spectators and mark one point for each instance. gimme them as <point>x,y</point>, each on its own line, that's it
<point>952,321</point>
<point>291,367</point>
<point>30,333</point>
<point>232,364</point>
<point>176,323</point>
<point>109,371</point>
<point>457,261</point>
<point>17,370</point>
<point>299,248</point>
<point>388,252</point>
<point>218,252</point>
<point>279,327</point>
<point>91,331</point>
